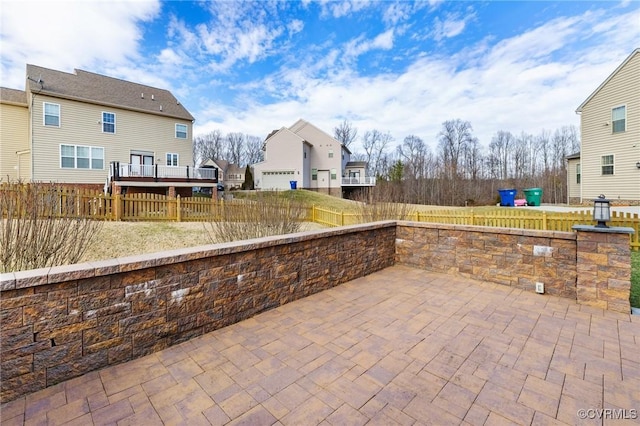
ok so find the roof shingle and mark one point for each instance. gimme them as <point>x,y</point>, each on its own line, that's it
<point>100,89</point>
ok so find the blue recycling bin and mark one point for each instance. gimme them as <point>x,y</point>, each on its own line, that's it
<point>294,184</point>
<point>507,197</point>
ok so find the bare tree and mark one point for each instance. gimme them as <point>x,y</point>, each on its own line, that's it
<point>412,152</point>
<point>208,147</point>
<point>453,139</point>
<point>345,133</point>
<point>235,147</point>
<point>253,152</point>
<point>375,143</point>
<point>499,152</point>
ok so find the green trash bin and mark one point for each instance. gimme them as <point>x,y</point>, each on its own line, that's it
<point>533,196</point>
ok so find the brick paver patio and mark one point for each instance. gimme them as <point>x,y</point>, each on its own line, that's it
<point>401,346</point>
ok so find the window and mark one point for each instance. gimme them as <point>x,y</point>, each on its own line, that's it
<point>81,157</point>
<point>97,158</point>
<point>334,174</point>
<point>578,173</point>
<point>607,164</point>
<point>51,114</point>
<point>618,119</point>
<point>108,122</point>
<point>181,131</point>
<point>314,174</point>
<point>172,159</point>
<point>330,153</point>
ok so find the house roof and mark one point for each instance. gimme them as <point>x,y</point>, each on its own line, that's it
<point>573,156</point>
<point>99,89</point>
<point>234,169</point>
<point>13,96</point>
<point>295,127</point>
<point>604,83</point>
<point>356,164</point>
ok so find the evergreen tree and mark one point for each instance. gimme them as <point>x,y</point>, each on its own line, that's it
<point>248,179</point>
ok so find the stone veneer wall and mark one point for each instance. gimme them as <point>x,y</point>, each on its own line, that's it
<point>59,323</point>
<point>62,322</point>
<point>514,257</point>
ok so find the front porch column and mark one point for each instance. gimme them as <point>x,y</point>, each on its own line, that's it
<point>604,267</point>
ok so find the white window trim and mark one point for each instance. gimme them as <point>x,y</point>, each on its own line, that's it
<point>44,114</point>
<point>613,164</point>
<point>625,118</point>
<point>177,158</point>
<point>114,122</point>
<point>186,131</point>
<point>75,157</point>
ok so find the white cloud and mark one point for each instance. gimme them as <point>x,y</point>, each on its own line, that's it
<point>452,25</point>
<point>359,46</point>
<point>342,8</point>
<point>295,26</point>
<point>530,82</point>
<point>74,34</point>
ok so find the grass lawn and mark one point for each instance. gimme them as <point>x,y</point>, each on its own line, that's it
<point>635,279</point>
<point>308,198</point>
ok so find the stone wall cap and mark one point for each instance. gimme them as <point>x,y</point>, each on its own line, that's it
<point>608,230</point>
<point>7,281</point>
<point>53,275</point>
<point>563,235</point>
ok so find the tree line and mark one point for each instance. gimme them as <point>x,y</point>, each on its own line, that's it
<point>458,171</point>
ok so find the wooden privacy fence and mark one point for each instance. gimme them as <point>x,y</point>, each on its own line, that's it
<point>83,203</point>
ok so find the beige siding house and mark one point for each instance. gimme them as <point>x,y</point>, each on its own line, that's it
<point>14,135</point>
<point>88,129</point>
<point>306,155</point>
<point>610,138</point>
<point>229,175</point>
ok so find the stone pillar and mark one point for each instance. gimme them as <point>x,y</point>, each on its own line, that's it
<point>604,267</point>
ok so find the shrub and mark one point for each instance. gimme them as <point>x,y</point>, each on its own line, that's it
<point>382,202</point>
<point>265,214</point>
<point>635,279</point>
<point>41,226</point>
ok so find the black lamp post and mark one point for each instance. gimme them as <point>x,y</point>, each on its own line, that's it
<point>601,211</point>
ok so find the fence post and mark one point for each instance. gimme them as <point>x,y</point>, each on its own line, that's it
<point>178,211</point>
<point>117,206</point>
<point>473,218</point>
<point>341,218</point>
<point>544,220</point>
<point>417,216</point>
<point>313,213</point>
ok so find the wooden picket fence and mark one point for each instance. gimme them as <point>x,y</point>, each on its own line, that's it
<point>83,203</point>
<point>500,217</point>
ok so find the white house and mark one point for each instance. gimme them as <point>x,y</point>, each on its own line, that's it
<point>306,157</point>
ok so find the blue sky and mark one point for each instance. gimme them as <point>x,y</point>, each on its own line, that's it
<point>395,66</point>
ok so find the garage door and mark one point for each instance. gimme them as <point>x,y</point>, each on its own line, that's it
<point>277,179</point>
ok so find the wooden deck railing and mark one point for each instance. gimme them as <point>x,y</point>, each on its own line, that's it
<point>153,207</point>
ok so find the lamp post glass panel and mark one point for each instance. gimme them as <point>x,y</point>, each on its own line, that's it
<point>601,211</point>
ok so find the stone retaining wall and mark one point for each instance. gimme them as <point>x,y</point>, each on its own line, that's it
<point>514,257</point>
<point>62,322</point>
